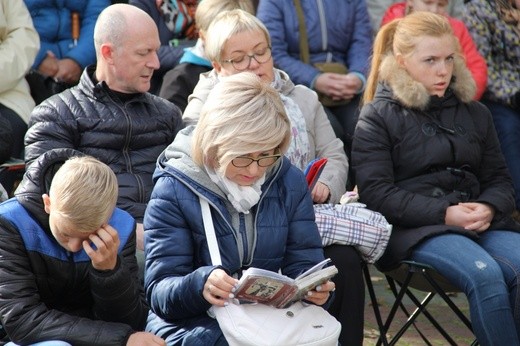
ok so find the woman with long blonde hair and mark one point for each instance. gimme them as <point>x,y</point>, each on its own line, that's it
<point>428,158</point>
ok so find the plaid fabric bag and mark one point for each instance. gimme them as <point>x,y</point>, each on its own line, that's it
<point>353,224</point>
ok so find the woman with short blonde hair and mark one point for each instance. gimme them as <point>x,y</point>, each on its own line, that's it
<point>260,206</point>
<point>253,120</point>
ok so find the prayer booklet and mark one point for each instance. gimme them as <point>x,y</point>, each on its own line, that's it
<point>271,288</point>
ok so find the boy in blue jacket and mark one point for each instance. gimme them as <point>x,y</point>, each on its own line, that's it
<point>68,269</point>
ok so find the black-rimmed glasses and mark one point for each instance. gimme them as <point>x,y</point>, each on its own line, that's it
<point>244,161</point>
<point>241,63</point>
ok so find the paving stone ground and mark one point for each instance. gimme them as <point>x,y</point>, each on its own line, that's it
<point>438,308</point>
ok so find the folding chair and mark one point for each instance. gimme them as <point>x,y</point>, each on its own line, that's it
<point>421,277</point>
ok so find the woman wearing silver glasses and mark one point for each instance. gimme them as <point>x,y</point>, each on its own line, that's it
<point>237,41</point>
<point>260,206</point>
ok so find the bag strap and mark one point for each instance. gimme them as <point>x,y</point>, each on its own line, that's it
<point>304,43</point>
<point>210,232</point>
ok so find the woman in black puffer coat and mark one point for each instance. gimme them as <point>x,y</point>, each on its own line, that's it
<point>428,158</point>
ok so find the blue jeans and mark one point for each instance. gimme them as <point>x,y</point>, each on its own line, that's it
<point>488,272</point>
<point>507,124</point>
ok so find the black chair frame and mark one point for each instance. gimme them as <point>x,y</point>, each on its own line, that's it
<point>424,278</point>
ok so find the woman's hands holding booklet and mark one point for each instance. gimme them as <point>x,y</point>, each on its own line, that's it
<point>219,287</point>
<point>321,293</point>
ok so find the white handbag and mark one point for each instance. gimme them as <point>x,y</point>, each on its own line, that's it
<point>260,324</point>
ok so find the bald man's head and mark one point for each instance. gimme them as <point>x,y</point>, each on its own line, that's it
<point>127,41</point>
<point>116,22</point>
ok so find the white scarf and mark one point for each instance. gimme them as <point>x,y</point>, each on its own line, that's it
<point>243,198</point>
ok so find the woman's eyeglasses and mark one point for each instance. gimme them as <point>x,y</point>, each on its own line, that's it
<point>244,161</point>
<point>242,63</point>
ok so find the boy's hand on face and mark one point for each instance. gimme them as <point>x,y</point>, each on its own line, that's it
<point>106,241</point>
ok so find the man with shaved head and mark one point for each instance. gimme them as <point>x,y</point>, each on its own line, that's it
<point>110,114</point>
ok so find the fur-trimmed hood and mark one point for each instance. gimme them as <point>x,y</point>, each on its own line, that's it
<point>413,94</point>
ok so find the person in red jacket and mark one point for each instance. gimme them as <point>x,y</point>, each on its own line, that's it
<point>474,61</point>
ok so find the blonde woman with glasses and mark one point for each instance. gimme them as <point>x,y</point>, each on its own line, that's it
<point>237,41</point>
<point>260,206</point>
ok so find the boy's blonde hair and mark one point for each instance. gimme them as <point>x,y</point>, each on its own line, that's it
<point>228,24</point>
<point>207,10</point>
<point>84,192</point>
<point>401,36</point>
<point>242,115</point>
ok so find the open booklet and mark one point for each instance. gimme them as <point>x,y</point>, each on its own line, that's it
<point>271,288</point>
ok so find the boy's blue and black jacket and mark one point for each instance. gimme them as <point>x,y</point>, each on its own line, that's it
<point>48,293</point>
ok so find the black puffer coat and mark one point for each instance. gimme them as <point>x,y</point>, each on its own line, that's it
<point>48,293</point>
<point>415,155</point>
<point>126,136</point>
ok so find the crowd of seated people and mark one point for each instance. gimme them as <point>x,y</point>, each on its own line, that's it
<point>136,72</point>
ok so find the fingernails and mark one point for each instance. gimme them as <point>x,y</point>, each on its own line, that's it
<point>231,296</point>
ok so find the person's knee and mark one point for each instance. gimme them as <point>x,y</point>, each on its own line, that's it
<point>486,275</point>
<point>343,256</point>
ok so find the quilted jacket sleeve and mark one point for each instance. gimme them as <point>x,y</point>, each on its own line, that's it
<point>173,284</point>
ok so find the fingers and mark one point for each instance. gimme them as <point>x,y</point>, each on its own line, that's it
<point>320,193</point>
<point>321,293</point>
<point>219,287</point>
<point>478,226</point>
<point>336,86</point>
<point>102,247</point>
<point>216,296</point>
<point>68,71</point>
<point>105,238</point>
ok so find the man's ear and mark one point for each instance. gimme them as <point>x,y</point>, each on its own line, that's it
<point>46,203</point>
<point>107,51</point>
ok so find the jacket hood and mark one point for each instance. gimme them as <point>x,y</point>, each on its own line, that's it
<point>413,94</point>
<point>176,161</point>
<point>37,181</point>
